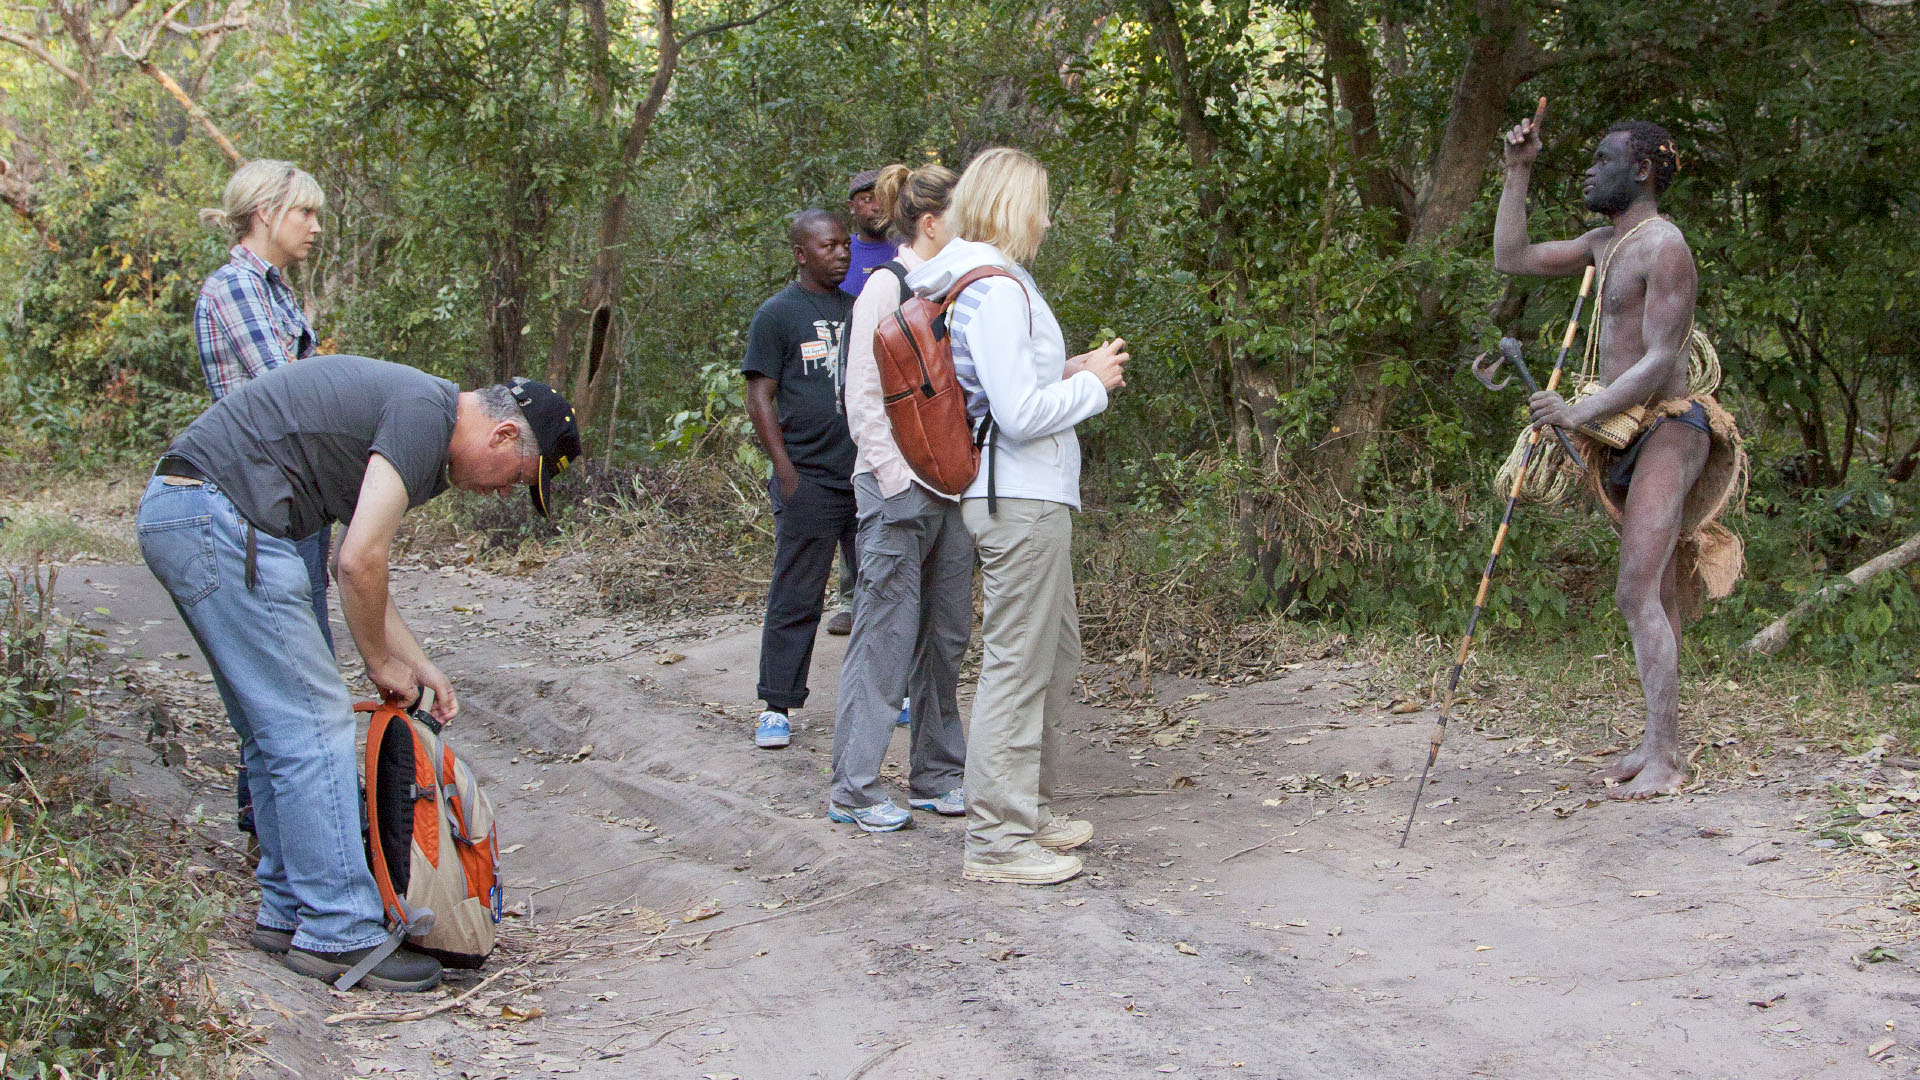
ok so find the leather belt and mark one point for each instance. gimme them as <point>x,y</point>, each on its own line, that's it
<point>174,465</point>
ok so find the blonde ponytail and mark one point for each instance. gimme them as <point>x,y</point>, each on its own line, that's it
<point>264,187</point>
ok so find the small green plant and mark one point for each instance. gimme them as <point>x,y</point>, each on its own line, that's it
<point>98,964</point>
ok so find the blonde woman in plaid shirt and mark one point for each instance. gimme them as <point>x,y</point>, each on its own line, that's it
<point>248,321</point>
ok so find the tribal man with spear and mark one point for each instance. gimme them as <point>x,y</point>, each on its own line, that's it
<point>1653,484</point>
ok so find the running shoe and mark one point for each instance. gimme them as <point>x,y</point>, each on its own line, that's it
<point>952,804</point>
<point>880,817</point>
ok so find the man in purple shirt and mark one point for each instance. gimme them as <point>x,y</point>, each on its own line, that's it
<point>872,247</point>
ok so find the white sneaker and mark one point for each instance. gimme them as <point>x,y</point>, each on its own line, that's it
<point>1062,833</point>
<point>1041,868</point>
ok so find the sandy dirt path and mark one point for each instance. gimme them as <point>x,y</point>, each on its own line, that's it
<point>1246,911</point>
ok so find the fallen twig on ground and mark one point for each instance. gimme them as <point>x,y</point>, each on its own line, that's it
<point>597,873</point>
<point>778,914</point>
<point>450,1003</point>
<point>1126,793</point>
<point>876,1059</point>
<point>1254,848</point>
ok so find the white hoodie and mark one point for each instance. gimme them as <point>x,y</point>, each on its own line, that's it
<point>1016,373</point>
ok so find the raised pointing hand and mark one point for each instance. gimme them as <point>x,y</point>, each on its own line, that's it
<point>1524,140</point>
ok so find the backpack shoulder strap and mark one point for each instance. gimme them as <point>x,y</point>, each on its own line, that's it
<point>900,275</point>
<point>980,274</point>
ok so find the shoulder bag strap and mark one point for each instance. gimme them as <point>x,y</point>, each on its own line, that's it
<point>900,275</point>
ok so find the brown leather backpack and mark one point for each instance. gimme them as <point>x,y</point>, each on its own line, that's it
<point>926,406</point>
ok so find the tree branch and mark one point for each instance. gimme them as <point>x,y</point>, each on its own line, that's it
<point>39,51</point>
<point>734,24</point>
<point>193,109</point>
<point>1775,636</point>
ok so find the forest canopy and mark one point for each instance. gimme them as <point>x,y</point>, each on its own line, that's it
<point>1285,208</point>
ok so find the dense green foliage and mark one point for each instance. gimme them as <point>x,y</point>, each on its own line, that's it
<point>100,928</point>
<point>1285,207</point>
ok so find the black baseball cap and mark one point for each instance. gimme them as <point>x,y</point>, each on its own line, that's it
<point>862,181</point>
<point>554,428</point>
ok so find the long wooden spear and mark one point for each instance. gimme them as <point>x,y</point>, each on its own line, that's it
<point>1510,349</point>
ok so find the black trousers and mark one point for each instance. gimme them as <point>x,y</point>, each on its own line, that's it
<point>807,528</point>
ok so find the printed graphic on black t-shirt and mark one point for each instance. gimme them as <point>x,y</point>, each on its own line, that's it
<point>795,340</point>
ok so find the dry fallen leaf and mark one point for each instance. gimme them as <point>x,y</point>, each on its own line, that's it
<point>531,1012</point>
<point>1873,809</point>
<point>1642,894</point>
<point>704,911</point>
<point>1881,1046</point>
<point>1185,949</point>
<point>1406,707</point>
<point>665,659</point>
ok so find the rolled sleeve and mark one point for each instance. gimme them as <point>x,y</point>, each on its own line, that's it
<point>866,407</point>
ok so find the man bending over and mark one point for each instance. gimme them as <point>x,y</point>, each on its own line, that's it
<point>331,438</point>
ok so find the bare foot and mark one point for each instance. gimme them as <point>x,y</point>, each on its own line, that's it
<point>1625,769</point>
<point>1661,776</point>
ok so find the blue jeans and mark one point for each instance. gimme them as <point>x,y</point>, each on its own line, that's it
<point>313,551</point>
<point>287,702</point>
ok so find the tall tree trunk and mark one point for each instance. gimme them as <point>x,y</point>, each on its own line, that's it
<point>1248,393</point>
<point>1499,59</point>
<point>603,280</point>
<point>601,290</point>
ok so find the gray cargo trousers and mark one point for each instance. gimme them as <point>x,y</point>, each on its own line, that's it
<point>912,618</point>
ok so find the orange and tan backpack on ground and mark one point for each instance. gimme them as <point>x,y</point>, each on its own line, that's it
<point>431,840</point>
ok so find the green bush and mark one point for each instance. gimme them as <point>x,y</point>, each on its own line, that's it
<point>103,929</point>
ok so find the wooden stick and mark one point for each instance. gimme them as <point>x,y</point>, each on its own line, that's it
<point>874,1060</point>
<point>1499,539</point>
<point>1254,848</point>
<point>1772,639</point>
<point>809,906</point>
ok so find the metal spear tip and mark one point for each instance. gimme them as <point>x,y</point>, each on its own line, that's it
<point>1485,367</point>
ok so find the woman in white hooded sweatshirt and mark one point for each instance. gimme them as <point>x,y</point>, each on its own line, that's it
<point>1012,360</point>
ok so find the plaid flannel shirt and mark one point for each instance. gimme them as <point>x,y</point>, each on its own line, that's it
<point>247,322</point>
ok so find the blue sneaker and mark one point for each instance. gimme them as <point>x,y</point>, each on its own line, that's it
<point>906,714</point>
<point>880,817</point>
<point>773,732</point>
<point>952,804</point>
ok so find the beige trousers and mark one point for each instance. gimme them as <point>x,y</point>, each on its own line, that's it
<point>1031,634</point>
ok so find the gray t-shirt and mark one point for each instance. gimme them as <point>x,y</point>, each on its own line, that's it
<point>290,448</point>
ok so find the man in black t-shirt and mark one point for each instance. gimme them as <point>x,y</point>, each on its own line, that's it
<point>793,397</point>
<point>331,438</point>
